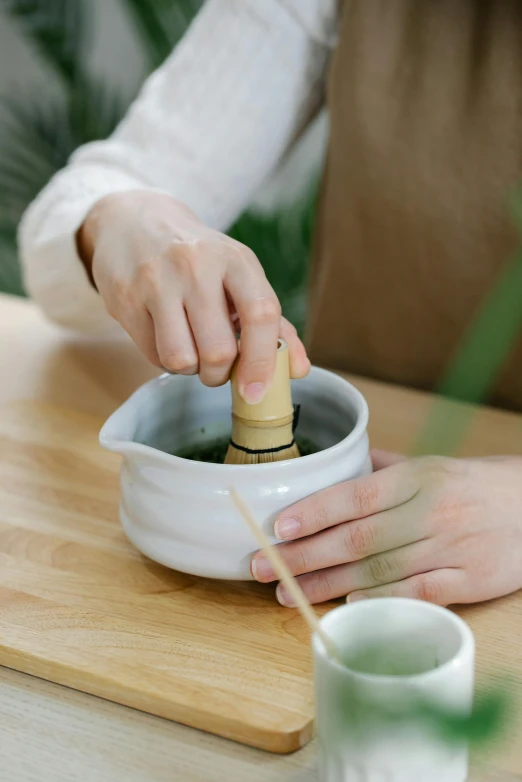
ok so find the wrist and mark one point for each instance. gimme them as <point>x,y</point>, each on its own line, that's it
<point>134,207</point>
<point>86,237</point>
<point>107,208</point>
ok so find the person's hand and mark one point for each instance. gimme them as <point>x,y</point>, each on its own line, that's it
<point>181,290</point>
<point>439,529</point>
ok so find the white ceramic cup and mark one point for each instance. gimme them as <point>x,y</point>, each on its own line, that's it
<point>368,724</point>
<point>179,512</point>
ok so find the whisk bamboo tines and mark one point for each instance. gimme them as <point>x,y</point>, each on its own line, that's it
<point>264,432</point>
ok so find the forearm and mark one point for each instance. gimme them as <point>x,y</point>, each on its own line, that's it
<point>206,131</point>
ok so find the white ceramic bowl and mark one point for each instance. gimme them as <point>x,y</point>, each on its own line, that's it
<point>179,512</point>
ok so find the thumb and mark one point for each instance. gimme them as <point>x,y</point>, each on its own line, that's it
<point>381,459</point>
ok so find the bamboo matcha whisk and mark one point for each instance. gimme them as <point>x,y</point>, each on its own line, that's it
<point>264,432</point>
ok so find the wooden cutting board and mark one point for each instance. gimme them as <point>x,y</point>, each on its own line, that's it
<point>81,607</point>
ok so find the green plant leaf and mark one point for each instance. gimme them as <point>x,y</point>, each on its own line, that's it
<point>39,135</point>
<point>161,24</point>
<point>10,273</point>
<point>94,110</point>
<point>363,712</point>
<point>37,125</point>
<point>57,28</point>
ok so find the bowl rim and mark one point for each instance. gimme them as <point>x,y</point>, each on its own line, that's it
<point>129,447</point>
<point>465,649</point>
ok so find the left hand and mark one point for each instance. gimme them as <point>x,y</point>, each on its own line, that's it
<point>434,528</point>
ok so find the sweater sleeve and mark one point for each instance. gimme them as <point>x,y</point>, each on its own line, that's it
<point>207,127</point>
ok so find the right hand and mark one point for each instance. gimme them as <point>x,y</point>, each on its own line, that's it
<point>181,289</point>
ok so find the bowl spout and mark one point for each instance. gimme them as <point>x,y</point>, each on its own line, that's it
<point>118,433</point>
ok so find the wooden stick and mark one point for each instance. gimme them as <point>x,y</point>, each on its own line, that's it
<point>284,575</point>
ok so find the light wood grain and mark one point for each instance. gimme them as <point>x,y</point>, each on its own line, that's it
<point>398,418</point>
<point>50,733</point>
<point>285,576</point>
<point>80,606</point>
<point>54,734</point>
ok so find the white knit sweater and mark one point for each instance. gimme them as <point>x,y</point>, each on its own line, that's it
<point>207,127</point>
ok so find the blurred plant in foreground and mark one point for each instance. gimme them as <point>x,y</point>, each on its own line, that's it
<point>479,357</point>
<point>484,724</point>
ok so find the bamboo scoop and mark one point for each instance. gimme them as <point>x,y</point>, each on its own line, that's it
<point>284,575</point>
<point>264,432</point>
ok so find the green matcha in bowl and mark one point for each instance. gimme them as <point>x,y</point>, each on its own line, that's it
<point>178,511</point>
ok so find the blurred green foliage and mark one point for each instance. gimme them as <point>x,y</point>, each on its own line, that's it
<point>38,133</point>
<point>479,358</point>
<point>484,723</point>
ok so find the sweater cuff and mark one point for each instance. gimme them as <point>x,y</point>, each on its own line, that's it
<point>53,272</point>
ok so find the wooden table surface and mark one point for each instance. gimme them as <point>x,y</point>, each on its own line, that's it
<point>51,734</point>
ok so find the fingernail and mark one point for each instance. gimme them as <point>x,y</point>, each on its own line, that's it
<point>262,569</point>
<point>286,529</point>
<point>355,597</point>
<point>254,393</point>
<point>283,597</point>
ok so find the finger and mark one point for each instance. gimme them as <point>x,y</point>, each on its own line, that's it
<point>345,543</point>
<point>211,324</point>
<point>234,317</point>
<point>443,587</point>
<point>299,362</point>
<point>382,459</point>
<point>348,501</point>
<point>260,315</point>
<point>140,327</point>
<point>174,340</point>
<point>373,571</point>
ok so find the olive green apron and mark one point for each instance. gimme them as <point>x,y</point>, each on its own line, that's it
<point>413,228</point>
